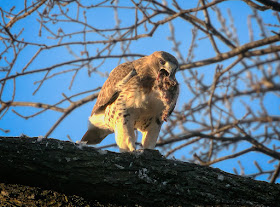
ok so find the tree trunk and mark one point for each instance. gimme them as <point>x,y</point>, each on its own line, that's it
<point>142,178</point>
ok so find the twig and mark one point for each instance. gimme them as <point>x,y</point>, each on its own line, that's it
<point>14,20</point>
<point>275,174</point>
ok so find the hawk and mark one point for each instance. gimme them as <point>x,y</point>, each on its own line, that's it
<point>137,95</point>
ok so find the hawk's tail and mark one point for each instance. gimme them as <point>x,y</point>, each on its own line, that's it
<point>95,135</point>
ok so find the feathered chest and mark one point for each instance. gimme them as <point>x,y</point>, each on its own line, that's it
<point>140,93</point>
<point>144,99</point>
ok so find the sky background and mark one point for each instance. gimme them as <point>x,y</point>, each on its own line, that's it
<point>75,125</point>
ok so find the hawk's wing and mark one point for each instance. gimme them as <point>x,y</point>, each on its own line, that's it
<point>111,88</point>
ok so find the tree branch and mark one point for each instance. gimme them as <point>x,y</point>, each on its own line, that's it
<point>14,20</point>
<point>237,51</point>
<point>126,178</point>
<point>271,4</point>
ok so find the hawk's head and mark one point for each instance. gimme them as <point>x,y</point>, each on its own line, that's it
<point>165,64</point>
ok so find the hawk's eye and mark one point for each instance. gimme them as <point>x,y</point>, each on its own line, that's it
<point>161,61</point>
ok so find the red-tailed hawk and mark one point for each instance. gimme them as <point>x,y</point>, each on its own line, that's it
<point>137,95</point>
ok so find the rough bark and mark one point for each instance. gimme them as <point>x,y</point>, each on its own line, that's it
<point>142,178</point>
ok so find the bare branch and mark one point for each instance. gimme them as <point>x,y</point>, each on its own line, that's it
<point>35,7</point>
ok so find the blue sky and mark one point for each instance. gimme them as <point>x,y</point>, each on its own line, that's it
<point>75,124</point>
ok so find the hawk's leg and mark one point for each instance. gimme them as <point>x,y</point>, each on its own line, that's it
<point>150,135</point>
<point>124,132</point>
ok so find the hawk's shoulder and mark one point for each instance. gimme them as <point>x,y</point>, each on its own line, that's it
<point>109,91</point>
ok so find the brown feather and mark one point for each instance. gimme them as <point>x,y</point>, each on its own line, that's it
<point>108,93</point>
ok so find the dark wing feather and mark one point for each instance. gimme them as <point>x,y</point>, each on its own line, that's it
<point>109,91</point>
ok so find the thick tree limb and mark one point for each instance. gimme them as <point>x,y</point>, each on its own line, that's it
<point>144,177</point>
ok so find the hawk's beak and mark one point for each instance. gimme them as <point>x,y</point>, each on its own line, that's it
<point>171,68</point>
<point>163,73</point>
<point>168,70</point>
